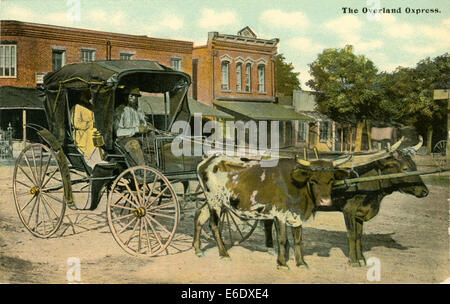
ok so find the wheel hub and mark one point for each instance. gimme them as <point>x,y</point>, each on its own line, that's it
<point>140,212</point>
<point>34,190</point>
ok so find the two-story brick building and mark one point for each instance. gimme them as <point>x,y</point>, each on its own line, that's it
<point>236,74</point>
<point>30,50</point>
<point>235,68</point>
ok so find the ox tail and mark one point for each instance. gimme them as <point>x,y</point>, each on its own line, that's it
<point>201,171</point>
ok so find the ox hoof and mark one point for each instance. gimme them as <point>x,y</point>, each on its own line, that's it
<point>225,258</point>
<point>283,267</point>
<point>199,254</point>
<point>362,263</point>
<point>355,264</point>
<point>303,266</point>
<point>272,251</point>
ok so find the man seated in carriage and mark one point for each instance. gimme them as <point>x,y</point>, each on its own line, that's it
<point>129,122</point>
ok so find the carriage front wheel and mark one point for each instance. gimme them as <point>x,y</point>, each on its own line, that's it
<point>38,190</point>
<point>143,211</point>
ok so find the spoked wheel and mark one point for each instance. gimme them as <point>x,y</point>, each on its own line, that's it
<point>439,153</point>
<point>233,229</point>
<point>38,190</point>
<point>143,211</point>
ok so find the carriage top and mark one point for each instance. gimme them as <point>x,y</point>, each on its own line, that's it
<point>101,86</point>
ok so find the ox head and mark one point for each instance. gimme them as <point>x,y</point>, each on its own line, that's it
<point>400,161</point>
<point>318,176</point>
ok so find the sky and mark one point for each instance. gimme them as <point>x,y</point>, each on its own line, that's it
<point>305,27</point>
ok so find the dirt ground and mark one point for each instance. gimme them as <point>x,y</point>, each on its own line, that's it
<point>409,237</point>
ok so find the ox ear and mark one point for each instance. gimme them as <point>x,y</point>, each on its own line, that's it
<point>341,174</point>
<point>300,175</point>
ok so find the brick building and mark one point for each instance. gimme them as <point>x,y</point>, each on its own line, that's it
<point>236,74</point>
<point>229,69</point>
<point>234,68</point>
<point>29,50</point>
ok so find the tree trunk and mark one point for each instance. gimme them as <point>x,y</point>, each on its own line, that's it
<point>430,139</point>
<point>369,134</point>
<point>359,132</point>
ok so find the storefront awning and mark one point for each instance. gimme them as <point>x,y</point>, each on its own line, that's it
<point>259,111</point>
<point>155,105</point>
<point>20,98</point>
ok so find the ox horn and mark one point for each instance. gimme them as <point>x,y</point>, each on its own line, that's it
<point>417,147</point>
<point>361,160</point>
<point>302,162</point>
<point>342,161</point>
<point>397,144</point>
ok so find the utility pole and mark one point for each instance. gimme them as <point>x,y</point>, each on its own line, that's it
<point>444,95</point>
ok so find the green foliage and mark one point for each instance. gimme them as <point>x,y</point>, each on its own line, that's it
<point>346,81</point>
<point>409,92</point>
<point>352,89</point>
<point>286,81</point>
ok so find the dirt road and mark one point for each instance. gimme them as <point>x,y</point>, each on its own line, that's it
<point>409,237</point>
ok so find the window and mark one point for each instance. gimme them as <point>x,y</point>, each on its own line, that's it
<point>87,55</point>
<point>225,75</point>
<point>8,62</point>
<point>239,77</point>
<point>301,135</point>
<point>248,80</point>
<point>324,129</point>
<point>58,59</point>
<point>262,78</point>
<point>175,63</point>
<point>126,56</point>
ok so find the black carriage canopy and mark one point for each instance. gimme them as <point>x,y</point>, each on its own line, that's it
<point>103,85</point>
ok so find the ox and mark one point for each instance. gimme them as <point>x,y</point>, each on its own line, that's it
<point>361,202</point>
<point>287,193</point>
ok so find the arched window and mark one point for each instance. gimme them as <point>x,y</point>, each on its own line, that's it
<point>239,77</point>
<point>261,78</point>
<point>248,79</point>
<point>225,75</point>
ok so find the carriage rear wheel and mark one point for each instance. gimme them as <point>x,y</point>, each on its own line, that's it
<point>143,211</point>
<point>233,229</point>
<point>38,191</point>
<point>439,153</point>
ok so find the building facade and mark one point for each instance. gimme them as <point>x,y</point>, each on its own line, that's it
<point>320,133</point>
<point>229,68</point>
<point>234,68</point>
<point>28,51</point>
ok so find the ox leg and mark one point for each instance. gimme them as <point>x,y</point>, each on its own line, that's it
<point>283,245</point>
<point>268,224</point>
<point>298,247</point>
<point>350,222</point>
<point>202,215</point>
<point>214,225</point>
<point>359,251</point>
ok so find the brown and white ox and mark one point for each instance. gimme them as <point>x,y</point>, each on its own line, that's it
<point>361,202</point>
<point>289,193</point>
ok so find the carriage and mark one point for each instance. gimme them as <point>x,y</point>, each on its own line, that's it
<point>143,203</point>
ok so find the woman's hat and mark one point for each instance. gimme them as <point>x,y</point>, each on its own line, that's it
<point>135,91</point>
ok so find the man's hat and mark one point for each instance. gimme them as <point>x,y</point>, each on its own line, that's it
<point>135,91</point>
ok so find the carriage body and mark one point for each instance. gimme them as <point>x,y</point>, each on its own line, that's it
<point>55,173</point>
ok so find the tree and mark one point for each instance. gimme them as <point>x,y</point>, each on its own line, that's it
<point>286,81</point>
<point>346,81</point>
<point>412,90</point>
